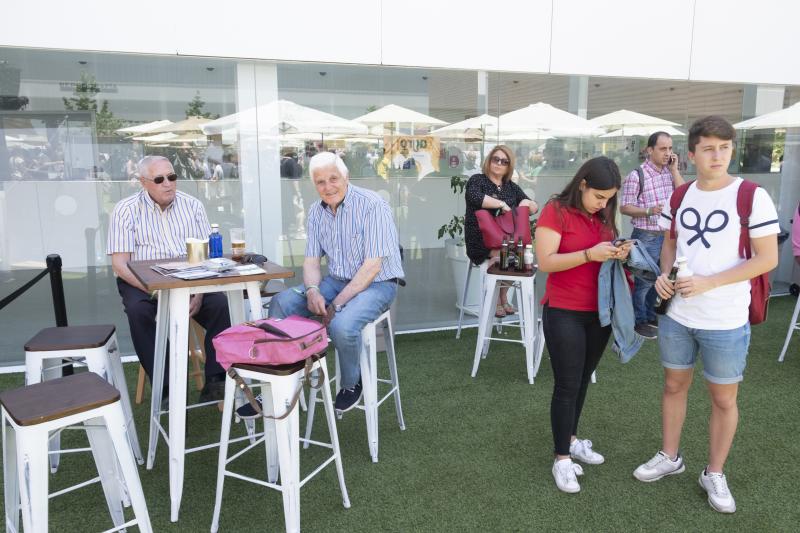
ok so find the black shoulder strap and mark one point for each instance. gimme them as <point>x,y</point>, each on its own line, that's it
<point>640,172</point>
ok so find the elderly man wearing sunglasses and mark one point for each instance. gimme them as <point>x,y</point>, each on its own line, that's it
<point>154,224</point>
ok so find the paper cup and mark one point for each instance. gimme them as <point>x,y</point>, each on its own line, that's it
<point>196,250</point>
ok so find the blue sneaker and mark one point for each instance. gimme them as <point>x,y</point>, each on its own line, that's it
<point>346,399</point>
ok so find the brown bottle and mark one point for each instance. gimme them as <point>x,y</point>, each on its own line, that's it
<point>661,305</point>
<point>504,255</point>
<point>520,255</point>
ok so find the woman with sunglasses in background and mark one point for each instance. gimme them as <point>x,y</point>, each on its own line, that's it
<point>492,190</point>
<point>573,238</point>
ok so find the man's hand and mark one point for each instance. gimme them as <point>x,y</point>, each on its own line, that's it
<point>316,302</point>
<point>656,210</point>
<point>195,303</point>
<point>673,163</point>
<point>694,285</point>
<point>664,287</point>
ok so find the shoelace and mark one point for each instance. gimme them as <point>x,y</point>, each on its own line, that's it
<point>569,473</point>
<point>720,486</point>
<point>657,460</point>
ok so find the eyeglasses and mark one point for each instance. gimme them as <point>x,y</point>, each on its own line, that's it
<point>500,161</point>
<point>158,180</point>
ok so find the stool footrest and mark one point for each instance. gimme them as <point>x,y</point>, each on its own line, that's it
<point>75,487</point>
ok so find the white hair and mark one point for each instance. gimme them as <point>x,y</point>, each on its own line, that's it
<point>144,164</point>
<point>327,159</point>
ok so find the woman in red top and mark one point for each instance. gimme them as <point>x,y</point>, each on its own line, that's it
<point>573,237</point>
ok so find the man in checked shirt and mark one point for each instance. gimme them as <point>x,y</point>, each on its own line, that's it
<point>645,193</point>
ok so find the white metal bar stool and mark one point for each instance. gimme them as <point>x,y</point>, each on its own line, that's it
<point>369,380</point>
<point>794,325</point>
<point>281,434</point>
<point>523,283</point>
<point>95,347</point>
<point>482,273</point>
<point>31,413</point>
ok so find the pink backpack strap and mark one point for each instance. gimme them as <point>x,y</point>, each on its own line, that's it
<point>675,204</point>
<point>744,207</point>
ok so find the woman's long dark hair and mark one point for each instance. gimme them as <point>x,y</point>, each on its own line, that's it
<point>600,173</point>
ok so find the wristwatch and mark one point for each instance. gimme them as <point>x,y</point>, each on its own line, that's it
<point>338,308</point>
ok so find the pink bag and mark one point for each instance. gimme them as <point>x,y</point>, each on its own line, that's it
<point>273,341</point>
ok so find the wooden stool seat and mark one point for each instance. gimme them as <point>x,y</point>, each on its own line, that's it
<point>70,338</point>
<point>276,370</point>
<point>57,398</point>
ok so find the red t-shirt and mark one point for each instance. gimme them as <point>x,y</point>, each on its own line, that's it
<point>576,288</point>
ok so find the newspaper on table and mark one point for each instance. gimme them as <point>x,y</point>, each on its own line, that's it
<point>186,271</point>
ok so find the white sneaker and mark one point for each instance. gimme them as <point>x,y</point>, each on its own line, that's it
<point>719,496</point>
<point>659,466</point>
<point>581,449</point>
<point>565,473</point>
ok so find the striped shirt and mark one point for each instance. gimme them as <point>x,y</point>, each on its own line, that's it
<point>658,187</point>
<point>362,228</point>
<point>139,226</point>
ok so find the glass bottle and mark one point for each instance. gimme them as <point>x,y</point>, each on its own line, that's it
<point>679,269</point>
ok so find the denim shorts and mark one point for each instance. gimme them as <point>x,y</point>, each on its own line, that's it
<point>724,352</point>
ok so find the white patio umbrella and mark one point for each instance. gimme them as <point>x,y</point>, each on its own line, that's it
<point>288,117</point>
<point>190,124</point>
<point>158,137</point>
<point>624,120</point>
<point>643,131</point>
<point>782,119</point>
<point>475,127</point>
<point>544,119</point>
<point>142,128</point>
<point>395,115</point>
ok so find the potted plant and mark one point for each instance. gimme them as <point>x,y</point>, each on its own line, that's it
<point>456,252</point>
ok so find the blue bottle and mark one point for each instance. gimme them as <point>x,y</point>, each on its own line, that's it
<point>214,242</point>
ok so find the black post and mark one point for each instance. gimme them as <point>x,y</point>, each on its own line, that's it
<point>57,288</point>
<point>59,303</point>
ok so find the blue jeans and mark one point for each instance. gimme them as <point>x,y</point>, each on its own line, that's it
<point>644,295</point>
<point>724,351</point>
<point>345,329</point>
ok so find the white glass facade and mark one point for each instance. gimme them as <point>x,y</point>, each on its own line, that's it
<point>64,162</point>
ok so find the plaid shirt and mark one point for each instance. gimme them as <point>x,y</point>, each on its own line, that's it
<point>658,187</point>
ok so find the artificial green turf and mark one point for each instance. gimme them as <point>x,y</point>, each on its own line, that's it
<point>476,454</point>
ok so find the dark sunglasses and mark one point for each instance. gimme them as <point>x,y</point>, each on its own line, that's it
<point>500,161</point>
<point>158,180</point>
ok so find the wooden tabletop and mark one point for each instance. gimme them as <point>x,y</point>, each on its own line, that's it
<point>154,281</point>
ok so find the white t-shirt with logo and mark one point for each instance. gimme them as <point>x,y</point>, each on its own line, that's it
<point>708,236</point>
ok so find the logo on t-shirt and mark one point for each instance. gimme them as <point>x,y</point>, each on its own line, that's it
<point>721,222</point>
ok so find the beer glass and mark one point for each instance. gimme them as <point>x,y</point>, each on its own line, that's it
<point>237,243</point>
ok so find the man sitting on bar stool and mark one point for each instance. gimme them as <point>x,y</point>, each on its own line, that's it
<point>154,224</point>
<point>354,229</point>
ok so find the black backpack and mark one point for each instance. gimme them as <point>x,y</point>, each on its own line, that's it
<point>640,172</point>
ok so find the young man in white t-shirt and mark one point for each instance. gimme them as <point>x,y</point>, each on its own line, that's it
<point>709,313</point>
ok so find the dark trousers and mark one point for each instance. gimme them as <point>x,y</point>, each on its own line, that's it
<point>576,342</point>
<point>141,311</point>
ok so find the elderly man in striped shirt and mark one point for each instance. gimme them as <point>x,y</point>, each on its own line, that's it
<point>154,224</point>
<point>645,193</point>
<point>353,228</point>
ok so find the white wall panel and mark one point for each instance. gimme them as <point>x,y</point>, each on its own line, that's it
<point>314,30</point>
<point>746,41</point>
<point>145,27</point>
<point>311,30</point>
<point>622,38</point>
<point>470,34</point>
